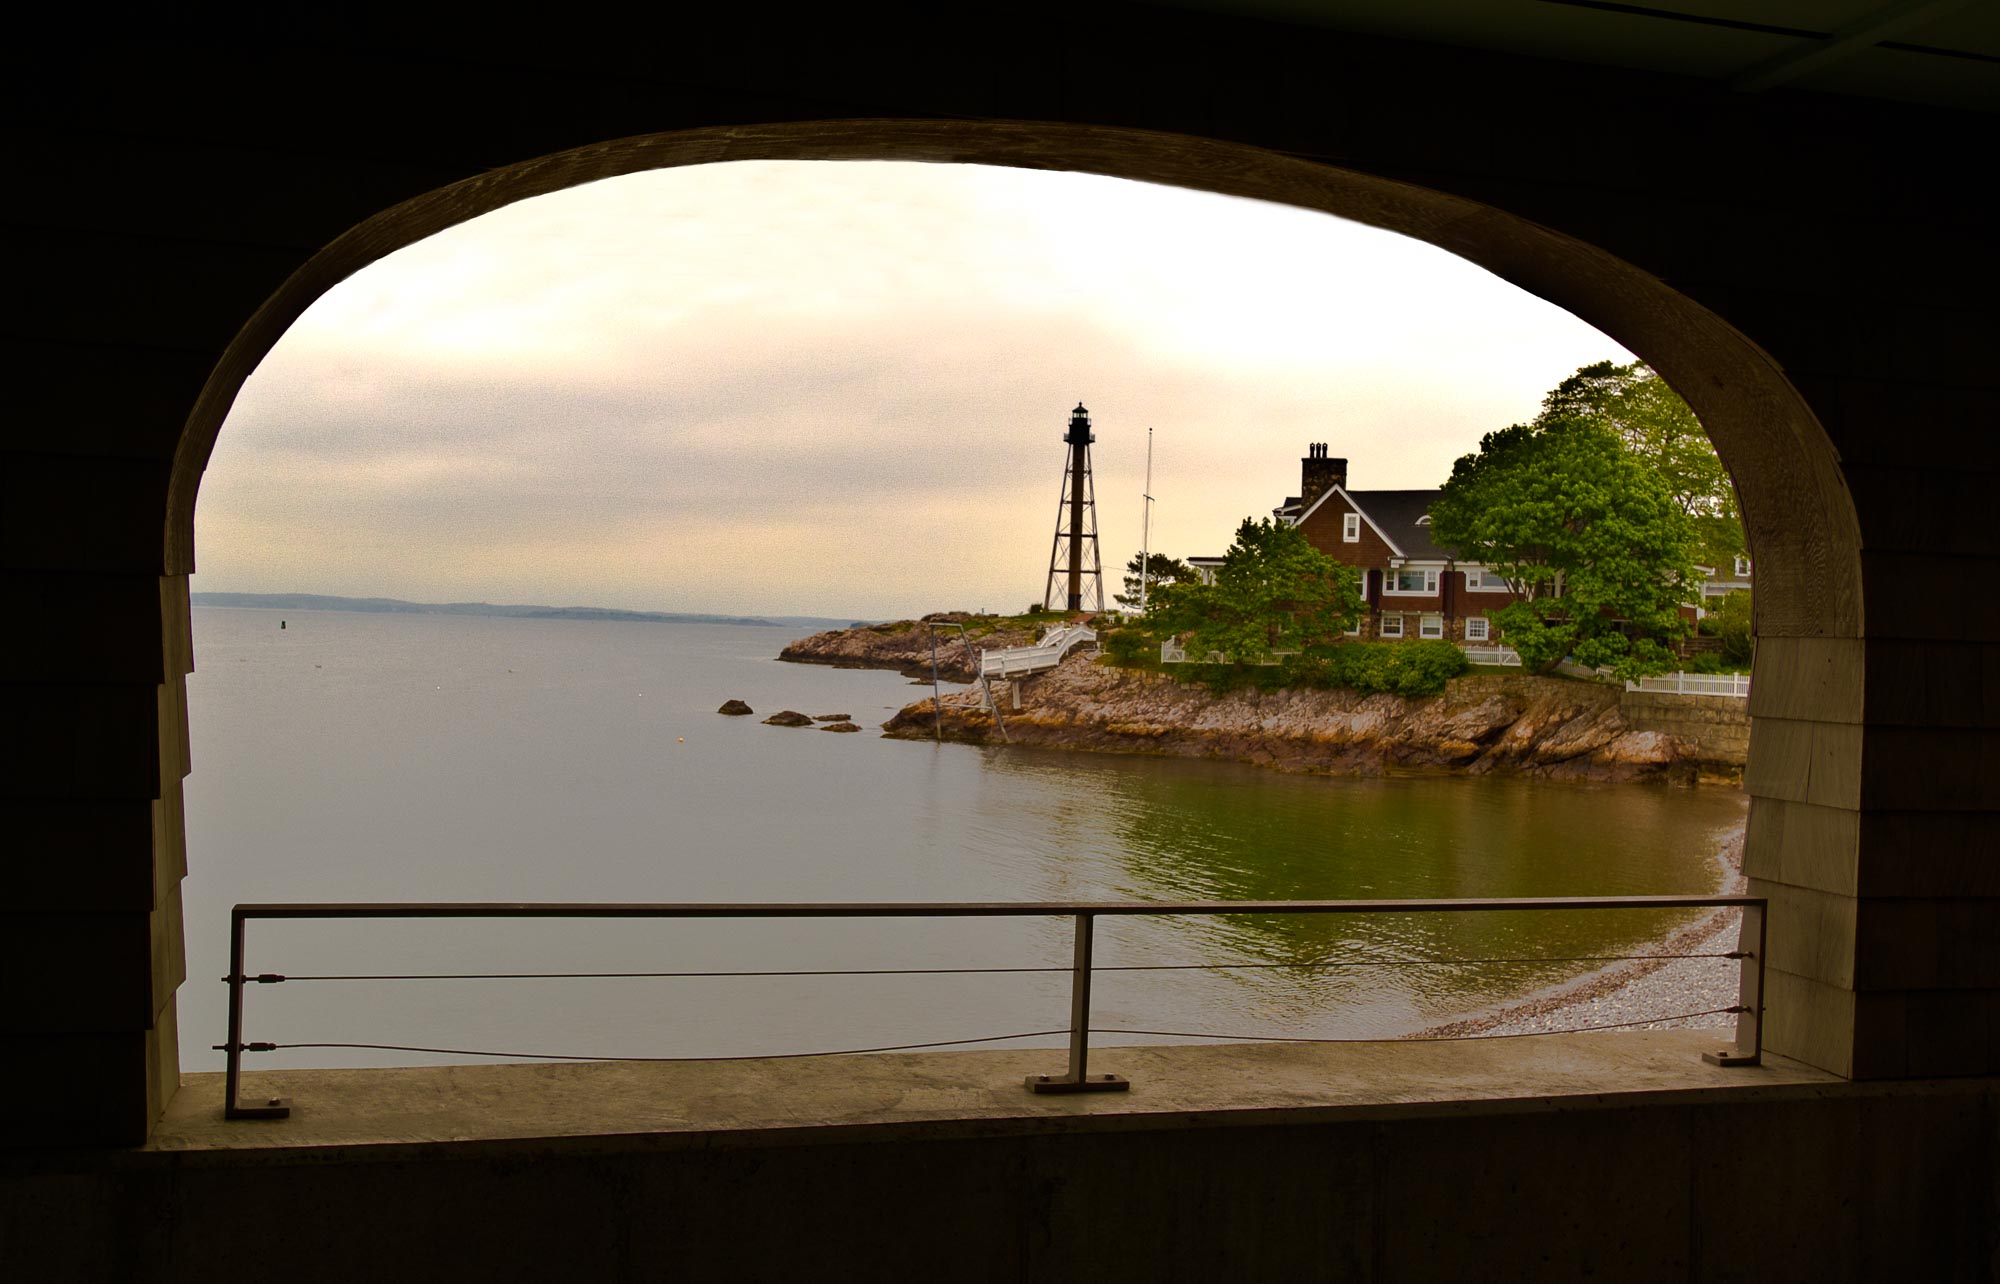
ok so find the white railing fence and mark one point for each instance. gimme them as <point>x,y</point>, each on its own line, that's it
<point>1045,654</point>
<point>1711,684</point>
<point>1506,655</point>
<point>1175,653</point>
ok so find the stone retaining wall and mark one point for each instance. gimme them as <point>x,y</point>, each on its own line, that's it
<point>1718,725</point>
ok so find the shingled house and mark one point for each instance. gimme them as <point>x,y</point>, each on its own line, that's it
<point>1413,588</point>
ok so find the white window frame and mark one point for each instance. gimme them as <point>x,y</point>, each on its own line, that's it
<point>1430,575</point>
<point>1350,528</point>
<point>1742,566</point>
<point>1430,627</point>
<point>1382,625</point>
<point>1475,582</point>
<point>1478,629</point>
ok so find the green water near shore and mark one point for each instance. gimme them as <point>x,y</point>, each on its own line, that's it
<point>360,757</point>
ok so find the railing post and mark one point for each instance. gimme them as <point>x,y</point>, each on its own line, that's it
<point>1078,1079</point>
<point>232,1105</point>
<point>1748,1049</point>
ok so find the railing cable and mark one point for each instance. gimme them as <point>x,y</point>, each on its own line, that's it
<point>583,1056</point>
<point>992,1038</point>
<point>1439,1038</point>
<point>274,978</point>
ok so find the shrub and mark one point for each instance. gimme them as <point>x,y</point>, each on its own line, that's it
<point>1730,621</point>
<point>1423,668</point>
<point>1126,647</point>
<point>1412,669</point>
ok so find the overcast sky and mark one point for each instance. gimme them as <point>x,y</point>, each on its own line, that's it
<point>841,388</point>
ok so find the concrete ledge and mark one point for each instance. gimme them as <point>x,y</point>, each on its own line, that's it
<point>1580,1157</point>
<point>937,1094</point>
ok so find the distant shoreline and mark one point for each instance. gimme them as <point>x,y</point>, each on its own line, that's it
<point>397,606</point>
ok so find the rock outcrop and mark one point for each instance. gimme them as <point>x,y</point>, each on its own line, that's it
<point>788,718</point>
<point>735,708</point>
<point>1549,727</point>
<point>905,645</point>
<point>840,726</point>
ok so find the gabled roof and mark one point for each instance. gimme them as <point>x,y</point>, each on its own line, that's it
<point>1393,514</point>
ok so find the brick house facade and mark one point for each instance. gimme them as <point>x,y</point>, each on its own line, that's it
<point>1413,588</point>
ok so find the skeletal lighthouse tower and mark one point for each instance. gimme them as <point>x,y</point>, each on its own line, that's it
<point>1077,567</point>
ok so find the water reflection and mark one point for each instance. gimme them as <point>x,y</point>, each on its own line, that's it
<point>1202,831</point>
<point>440,758</point>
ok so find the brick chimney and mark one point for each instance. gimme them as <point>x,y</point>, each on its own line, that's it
<point>1318,474</point>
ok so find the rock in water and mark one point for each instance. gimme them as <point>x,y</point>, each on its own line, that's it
<point>735,708</point>
<point>833,717</point>
<point>840,726</point>
<point>788,718</point>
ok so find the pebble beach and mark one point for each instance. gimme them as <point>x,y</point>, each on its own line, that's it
<point>1637,994</point>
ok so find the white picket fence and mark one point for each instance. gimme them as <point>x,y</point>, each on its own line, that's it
<point>1175,653</point>
<point>1506,655</point>
<point>1710,684</point>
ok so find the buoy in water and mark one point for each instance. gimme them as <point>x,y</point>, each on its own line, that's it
<point>680,740</point>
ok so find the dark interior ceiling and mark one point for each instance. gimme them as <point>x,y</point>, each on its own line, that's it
<point>1941,52</point>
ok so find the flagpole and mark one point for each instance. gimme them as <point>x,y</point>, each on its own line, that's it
<point>1146,523</point>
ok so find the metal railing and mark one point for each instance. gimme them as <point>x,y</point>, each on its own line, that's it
<point>1746,1048</point>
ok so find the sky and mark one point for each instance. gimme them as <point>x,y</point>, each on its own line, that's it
<point>840,388</point>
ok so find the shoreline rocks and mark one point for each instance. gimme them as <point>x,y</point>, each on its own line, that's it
<point>788,718</point>
<point>735,708</point>
<point>905,645</point>
<point>1520,724</point>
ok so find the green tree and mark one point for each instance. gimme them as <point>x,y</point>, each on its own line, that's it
<point>1273,592</point>
<point>1586,530</point>
<point>1729,620</point>
<point>1161,571</point>
<point>1657,426</point>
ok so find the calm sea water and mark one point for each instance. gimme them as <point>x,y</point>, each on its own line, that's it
<point>376,757</point>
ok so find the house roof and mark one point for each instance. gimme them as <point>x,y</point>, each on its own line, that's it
<point>1395,514</point>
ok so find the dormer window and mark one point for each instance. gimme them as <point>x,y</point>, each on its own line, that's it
<point>1742,566</point>
<point>1350,528</point>
<point>1425,520</point>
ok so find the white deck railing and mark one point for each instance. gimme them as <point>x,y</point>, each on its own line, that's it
<point>1045,654</point>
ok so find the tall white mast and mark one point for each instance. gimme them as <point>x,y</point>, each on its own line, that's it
<point>1146,523</point>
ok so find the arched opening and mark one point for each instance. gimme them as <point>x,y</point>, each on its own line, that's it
<point>1797,513</point>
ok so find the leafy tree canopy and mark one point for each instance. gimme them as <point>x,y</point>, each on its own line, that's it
<point>1586,529</point>
<point>1161,571</point>
<point>1658,427</point>
<point>1273,592</point>
<point>1729,620</point>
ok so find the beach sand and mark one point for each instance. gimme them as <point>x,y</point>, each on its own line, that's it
<point>1637,994</point>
